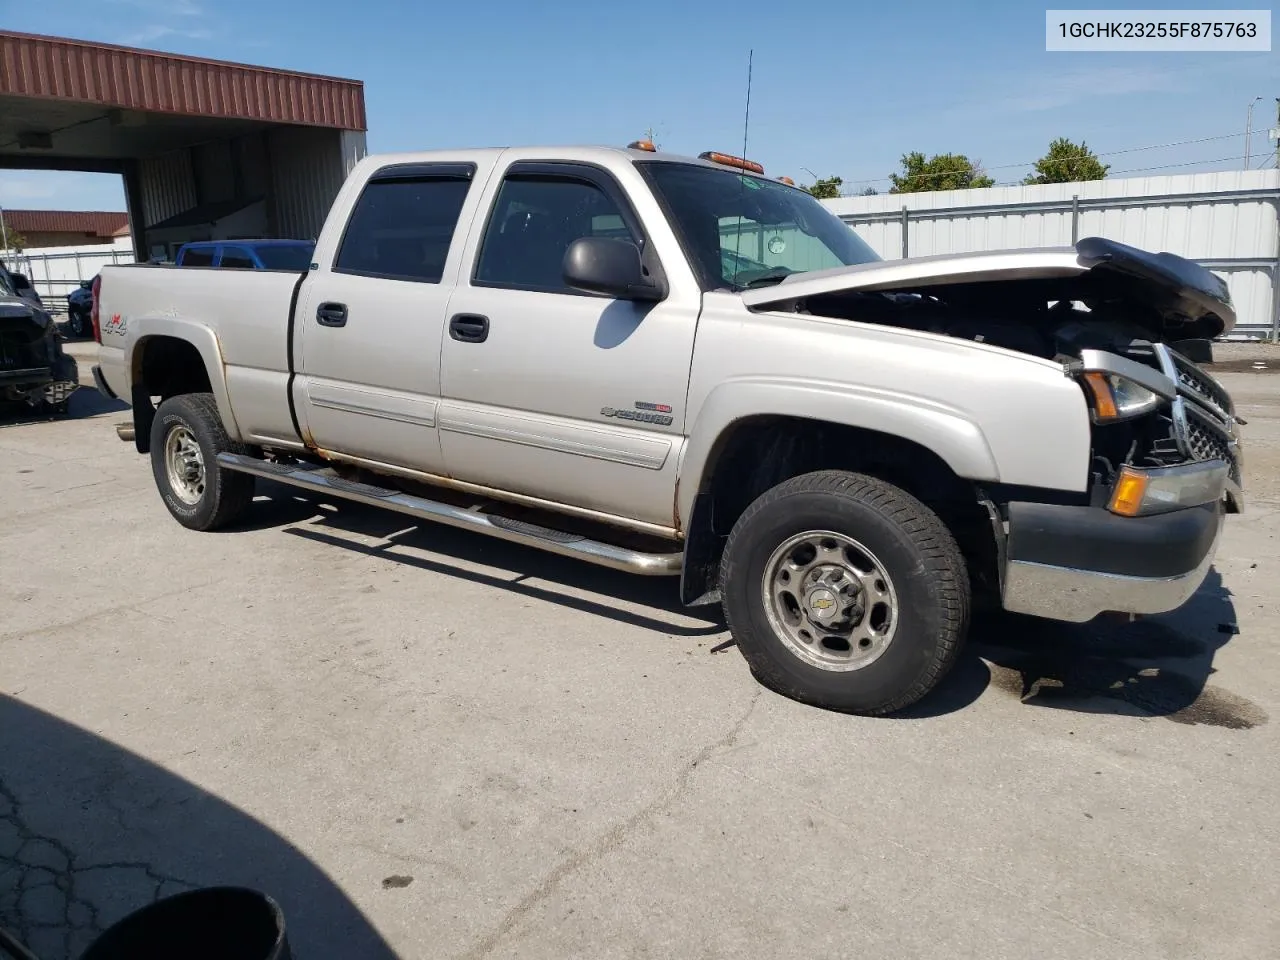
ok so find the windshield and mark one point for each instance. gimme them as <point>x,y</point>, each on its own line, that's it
<point>286,256</point>
<point>746,231</point>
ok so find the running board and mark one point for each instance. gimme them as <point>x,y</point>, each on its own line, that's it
<point>504,528</point>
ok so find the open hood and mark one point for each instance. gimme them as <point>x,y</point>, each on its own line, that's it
<point>1170,297</point>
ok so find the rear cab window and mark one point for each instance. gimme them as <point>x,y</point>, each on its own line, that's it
<point>196,257</point>
<point>236,258</point>
<point>403,224</point>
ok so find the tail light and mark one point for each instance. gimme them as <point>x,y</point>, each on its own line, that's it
<point>93,310</point>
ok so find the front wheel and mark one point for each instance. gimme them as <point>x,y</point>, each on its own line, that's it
<point>186,437</point>
<point>845,592</point>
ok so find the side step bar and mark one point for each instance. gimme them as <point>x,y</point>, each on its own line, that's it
<point>504,528</point>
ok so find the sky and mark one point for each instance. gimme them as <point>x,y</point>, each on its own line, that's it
<point>838,88</point>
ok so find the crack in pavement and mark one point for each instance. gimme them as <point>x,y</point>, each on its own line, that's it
<point>132,605</point>
<point>43,886</point>
<point>608,841</point>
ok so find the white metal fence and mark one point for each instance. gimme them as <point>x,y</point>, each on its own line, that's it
<point>1228,221</point>
<point>56,271</point>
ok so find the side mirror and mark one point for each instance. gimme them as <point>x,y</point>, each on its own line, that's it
<point>20,281</point>
<point>612,267</point>
<point>86,284</point>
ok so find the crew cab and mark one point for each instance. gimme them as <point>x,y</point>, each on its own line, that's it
<point>679,366</point>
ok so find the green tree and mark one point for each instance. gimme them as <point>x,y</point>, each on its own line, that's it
<point>870,192</point>
<point>1067,162</point>
<point>12,239</point>
<point>827,188</point>
<point>942,171</point>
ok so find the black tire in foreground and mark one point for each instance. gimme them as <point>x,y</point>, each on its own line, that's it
<point>845,592</point>
<point>186,437</point>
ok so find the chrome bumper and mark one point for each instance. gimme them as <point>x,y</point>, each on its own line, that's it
<point>1077,596</point>
<point>1167,558</point>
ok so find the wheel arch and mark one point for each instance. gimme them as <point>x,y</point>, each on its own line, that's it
<point>755,452</point>
<point>170,356</point>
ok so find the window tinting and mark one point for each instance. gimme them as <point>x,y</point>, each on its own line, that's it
<point>402,229</point>
<point>236,258</point>
<point>198,257</point>
<point>286,256</point>
<point>534,221</point>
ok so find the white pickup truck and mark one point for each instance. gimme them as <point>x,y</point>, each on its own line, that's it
<point>679,366</point>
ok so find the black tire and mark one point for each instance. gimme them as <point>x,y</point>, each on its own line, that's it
<point>917,552</point>
<point>77,324</point>
<point>226,494</point>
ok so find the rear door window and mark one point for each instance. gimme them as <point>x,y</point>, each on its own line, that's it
<point>403,225</point>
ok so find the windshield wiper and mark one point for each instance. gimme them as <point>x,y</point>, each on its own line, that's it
<point>776,275</point>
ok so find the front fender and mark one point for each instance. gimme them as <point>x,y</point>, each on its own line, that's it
<point>199,336</point>
<point>944,430</point>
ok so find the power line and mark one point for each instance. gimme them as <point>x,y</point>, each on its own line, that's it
<point>1066,159</point>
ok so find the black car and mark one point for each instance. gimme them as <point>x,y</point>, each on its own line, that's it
<point>33,369</point>
<point>80,309</point>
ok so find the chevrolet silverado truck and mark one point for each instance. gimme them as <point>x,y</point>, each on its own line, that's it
<point>678,366</point>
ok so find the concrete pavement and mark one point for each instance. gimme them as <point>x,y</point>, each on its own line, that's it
<point>428,744</point>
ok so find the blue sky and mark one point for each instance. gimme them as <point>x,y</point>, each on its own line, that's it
<point>839,88</point>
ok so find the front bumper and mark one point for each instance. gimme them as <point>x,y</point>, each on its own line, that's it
<point>1074,563</point>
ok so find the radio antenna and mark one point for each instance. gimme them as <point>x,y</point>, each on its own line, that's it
<point>742,192</point>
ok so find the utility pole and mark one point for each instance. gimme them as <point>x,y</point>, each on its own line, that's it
<point>1248,131</point>
<point>5,233</point>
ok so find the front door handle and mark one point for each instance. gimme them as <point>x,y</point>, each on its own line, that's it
<point>331,314</point>
<point>469,328</point>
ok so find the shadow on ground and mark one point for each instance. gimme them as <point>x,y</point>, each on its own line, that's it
<point>1158,666</point>
<point>1151,667</point>
<point>85,402</point>
<point>282,506</point>
<point>90,832</point>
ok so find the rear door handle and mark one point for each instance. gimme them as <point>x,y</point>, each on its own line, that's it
<point>331,314</point>
<point>469,328</point>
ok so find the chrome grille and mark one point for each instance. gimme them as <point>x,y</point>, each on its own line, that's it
<point>1203,415</point>
<point>1201,386</point>
<point>1206,440</point>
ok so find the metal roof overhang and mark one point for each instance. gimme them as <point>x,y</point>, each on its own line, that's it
<point>68,104</point>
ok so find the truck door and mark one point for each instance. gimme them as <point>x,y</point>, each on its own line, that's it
<point>555,394</point>
<point>371,318</point>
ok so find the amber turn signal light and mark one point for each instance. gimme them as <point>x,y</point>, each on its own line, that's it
<point>728,160</point>
<point>645,145</point>
<point>1131,488</point>
<point>1104,403</point>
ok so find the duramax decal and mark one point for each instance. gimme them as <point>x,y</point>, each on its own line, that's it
<point>655,413</point>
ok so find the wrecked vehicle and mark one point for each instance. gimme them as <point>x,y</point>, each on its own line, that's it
<point>33,369</point>
<point>677,366</point>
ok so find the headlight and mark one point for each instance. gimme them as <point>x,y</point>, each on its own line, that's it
<point>1117,398</point>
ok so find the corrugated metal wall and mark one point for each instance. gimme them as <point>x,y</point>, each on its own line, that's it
<point>308,167</point>
<point>1228,221</point>
<point>168,186</point>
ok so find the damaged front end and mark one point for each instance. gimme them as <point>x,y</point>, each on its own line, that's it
<point>1164,460</point>
<point>33,369</point>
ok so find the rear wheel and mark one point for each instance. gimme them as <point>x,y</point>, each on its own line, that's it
<point>186,437</point>
<point>846,592</point>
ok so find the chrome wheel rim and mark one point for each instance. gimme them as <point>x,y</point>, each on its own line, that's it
<point>184,463</point>
<point>830,600</point>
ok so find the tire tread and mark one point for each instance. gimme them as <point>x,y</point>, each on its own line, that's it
<point>937,548</point>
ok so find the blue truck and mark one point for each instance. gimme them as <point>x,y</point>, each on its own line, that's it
<point>292,255</point>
